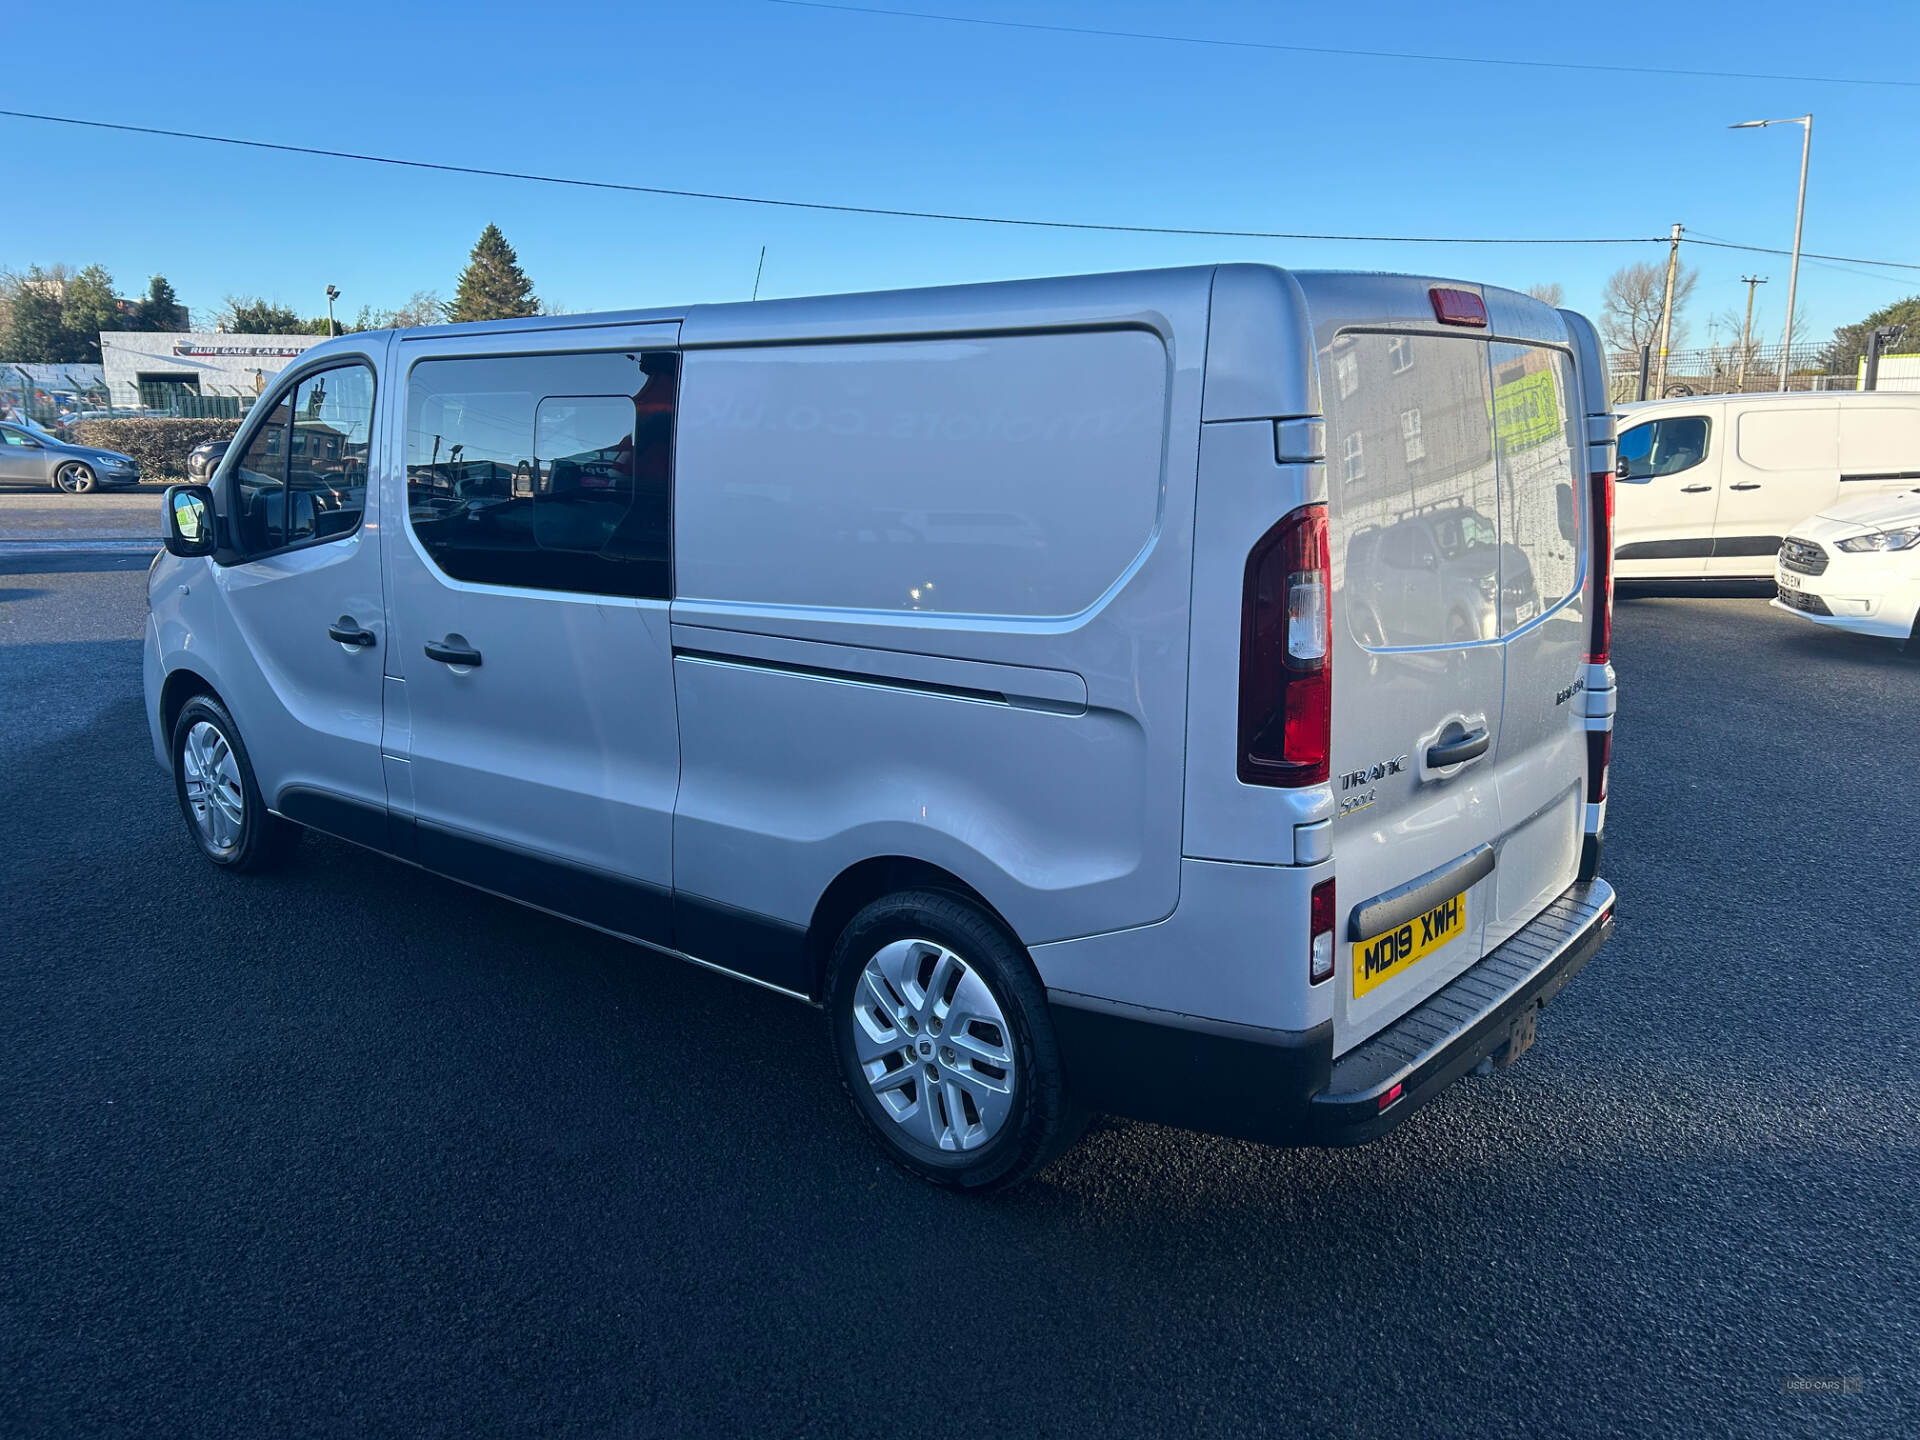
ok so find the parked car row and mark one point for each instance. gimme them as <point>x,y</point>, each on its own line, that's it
<point>1815,492</point>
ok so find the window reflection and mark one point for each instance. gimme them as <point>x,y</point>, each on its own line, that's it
<point>549,472</point>
<point>1422,564</point>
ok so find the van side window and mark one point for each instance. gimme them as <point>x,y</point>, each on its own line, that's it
<point>330,439</point>
<point>259,503</point>
<point>1664,447</point>
<point>545,472</point>
<point>303,476</point>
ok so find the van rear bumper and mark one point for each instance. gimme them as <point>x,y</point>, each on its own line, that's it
<point>1284,1087</point>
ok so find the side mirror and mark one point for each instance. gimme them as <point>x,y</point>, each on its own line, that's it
<point>187,514</point>
<point>1623,469</point>
<point>1569,521</point>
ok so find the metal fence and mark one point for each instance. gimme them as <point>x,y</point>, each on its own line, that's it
<point>1724,370</point>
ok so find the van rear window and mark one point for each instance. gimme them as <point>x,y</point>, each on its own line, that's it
<point>1455,484</point>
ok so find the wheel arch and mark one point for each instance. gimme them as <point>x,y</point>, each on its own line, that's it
<point>180,686</point>
<point>860,884</point>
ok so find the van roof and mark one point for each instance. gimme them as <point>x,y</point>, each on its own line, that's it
<point>1029,290</point>
<point>1769,399</point>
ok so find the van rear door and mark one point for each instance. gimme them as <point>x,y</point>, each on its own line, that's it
<point>1418,667</point>
<point>1456,492</point>
<point>1540,766</point>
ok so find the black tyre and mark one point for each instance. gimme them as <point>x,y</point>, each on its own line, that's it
<point>945,1045</point>
<point>213,781</point>
<point>74,478</point>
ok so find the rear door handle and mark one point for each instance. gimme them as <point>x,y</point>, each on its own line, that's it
<point>1746,485</point>
<point>1697,489</point>
<point>455,653</point>
<point>348,632</point>
<point>1458,752</point>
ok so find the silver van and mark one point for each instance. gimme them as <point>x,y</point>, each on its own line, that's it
<point>1180,694</point>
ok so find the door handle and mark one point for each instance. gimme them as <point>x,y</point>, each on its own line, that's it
<point>453,651</point>
<point>1458,752</point>
<point>1746,485</point>
<point>348,632</point>
<point>1697,489</point>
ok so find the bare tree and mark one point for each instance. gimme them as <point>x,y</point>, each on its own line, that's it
<point>1630,307</point>
<point>1549,292</point>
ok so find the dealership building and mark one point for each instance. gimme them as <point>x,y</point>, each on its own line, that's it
<point>194,374</point>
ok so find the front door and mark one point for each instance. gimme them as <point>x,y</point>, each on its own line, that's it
<point>1665,496</point>
<point>23,461</point>
<point>532,737</point>
<point>303,625</point>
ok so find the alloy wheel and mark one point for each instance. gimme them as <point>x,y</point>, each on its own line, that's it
<point>215,796</point>
<point>934,1045</point>
<point>73,478</point>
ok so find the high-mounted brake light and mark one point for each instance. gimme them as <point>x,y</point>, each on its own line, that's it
<point>1286,662</point>
<point>1600,645</point>
<point>1458,307</point>
<point>1320,933</point>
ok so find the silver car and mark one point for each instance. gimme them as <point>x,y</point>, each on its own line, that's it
<point>30,456</point>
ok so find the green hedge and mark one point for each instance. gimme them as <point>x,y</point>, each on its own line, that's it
<point>160,445</point>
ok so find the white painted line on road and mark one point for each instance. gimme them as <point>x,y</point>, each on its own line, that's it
<point>78,547</point>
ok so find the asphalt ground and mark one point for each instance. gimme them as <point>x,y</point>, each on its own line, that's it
<point>352,1150</point>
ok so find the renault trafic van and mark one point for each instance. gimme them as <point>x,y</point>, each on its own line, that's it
<point>1709,487</point>
<point>1180,694</point>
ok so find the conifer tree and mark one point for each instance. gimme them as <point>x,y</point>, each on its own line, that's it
<point>493,286</point>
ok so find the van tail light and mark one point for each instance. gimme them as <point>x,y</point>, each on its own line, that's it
<point>1601,643</point>
<point>1286,661</point>
<point>1599,754</point>
<point>1320,933</point>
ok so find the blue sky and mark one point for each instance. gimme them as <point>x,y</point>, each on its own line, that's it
<point>759,98</point>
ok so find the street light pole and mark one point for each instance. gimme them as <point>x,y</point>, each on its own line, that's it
<point>333,294</point>
<point>1805,122</point>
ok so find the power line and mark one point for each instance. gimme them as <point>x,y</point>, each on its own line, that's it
<point>1694,239</point>
<point>453,169</point>
<point>1336,50</point>
<point>945,215</point>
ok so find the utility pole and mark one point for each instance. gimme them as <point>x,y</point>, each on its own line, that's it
<point>1746,330</point>
<point>1666,313</point>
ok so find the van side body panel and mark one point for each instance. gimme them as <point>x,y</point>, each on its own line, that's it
<point>1028,734</point>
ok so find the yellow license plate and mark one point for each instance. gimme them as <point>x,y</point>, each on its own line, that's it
<point>1378,960</point>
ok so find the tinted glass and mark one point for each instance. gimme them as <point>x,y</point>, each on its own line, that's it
<point>13,437</point>
<point>1538,440</point>
<point>545,472</point>
<point>1664,447</point>
<point>332,435</point>
<point>1422,560</point>
<point>259,502</point>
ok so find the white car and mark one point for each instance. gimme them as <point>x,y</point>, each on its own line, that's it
<point>1856,566</point>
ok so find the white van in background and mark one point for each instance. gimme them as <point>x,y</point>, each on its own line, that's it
<point>1183,694</point>
<point>1709,487</point>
